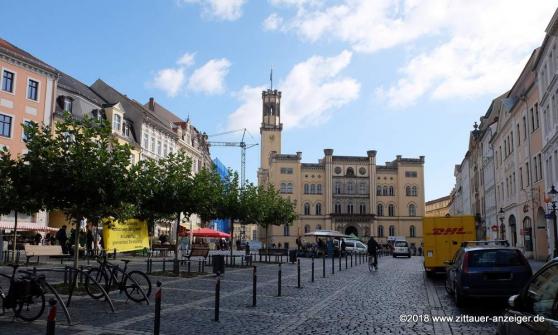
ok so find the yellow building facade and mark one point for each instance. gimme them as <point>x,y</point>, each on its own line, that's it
<point>349,194</point>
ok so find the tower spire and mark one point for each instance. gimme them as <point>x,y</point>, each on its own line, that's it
<point>271,78</point>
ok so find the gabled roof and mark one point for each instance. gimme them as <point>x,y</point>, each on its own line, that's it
<point>12,50</point>
<point>75,86</point>
<point>163,112</point>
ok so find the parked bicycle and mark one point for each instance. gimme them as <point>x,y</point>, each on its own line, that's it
<point>25,295</point>
<point>135,284</point>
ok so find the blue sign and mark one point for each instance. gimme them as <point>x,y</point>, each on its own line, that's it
<point>548,216</point>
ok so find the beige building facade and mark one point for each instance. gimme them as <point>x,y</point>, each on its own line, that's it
<point>349,194</point>
<point>438,207</point>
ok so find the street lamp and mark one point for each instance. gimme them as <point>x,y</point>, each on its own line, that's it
<point>501,216</point>
<point>552,196</point>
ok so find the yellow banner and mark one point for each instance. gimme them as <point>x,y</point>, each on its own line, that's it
<point>125,236</point>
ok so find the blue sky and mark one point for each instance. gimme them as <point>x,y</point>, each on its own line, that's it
<point>402,77</point>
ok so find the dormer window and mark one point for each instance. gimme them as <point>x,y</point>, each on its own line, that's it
<point>68,104</point>
<point>126,129</point>
<point>116,122</point>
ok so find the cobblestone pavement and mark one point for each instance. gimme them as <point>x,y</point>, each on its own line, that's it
<point>350,301</point>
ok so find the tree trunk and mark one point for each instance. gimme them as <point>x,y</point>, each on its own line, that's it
<point>76,241</point>
<point>176,241</point>
<point>266,245</point>
<point>232,239</point>
<point>15,237</point>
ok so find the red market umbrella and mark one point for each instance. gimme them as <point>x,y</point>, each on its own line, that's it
<point>206,232</point>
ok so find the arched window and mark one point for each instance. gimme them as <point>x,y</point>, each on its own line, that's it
<point>319,188</point>
<point>380,210</point>
<point>362,208</point>
<point>408,190</point>
<point>379,190</point>
<point>306,188</point>
<point>391,210</point>
<point>380,231</point>
<point>318,209</point>
<point>350,188</point>
<point>350,208</point>
<point>306,208</point>
<point>362,188</point>
<point>306,229</point>
<point>313,189</point>
<point>283,187</point>
<point>337,208</point>
<point>289,188</point>
<point>412,231</point>
<point>318,227</point>
<point>412,210</point>
<point>338,188</point>
<point>350,171</point>
<point>391,193</point>
<point>391,230</point>
<point>385,192</point>
<point>414,191</point>
<point>286,230</point>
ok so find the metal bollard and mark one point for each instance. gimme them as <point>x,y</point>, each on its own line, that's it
<point>34,270</point>
<point>157,321</point>
<point>81,274</point>
<point>175,266</point>
<point>298,271</point>
<point>323,267</point>
<point>279,281</point>
<point>351,260</point>
<point>332,265</point>
<point>51,319</point>
<point>312,269</point>
<point>65,275</point>
<point>339,262</point>
<point>199,265</point>
<point>164,264</point>
<point>189,266</point>
<point>346,264</point>
<point>114,254</point>
<point>254,279</point>
<point>217,295</point>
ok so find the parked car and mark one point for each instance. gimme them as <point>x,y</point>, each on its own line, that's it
<point>536,299</point>
<point>352,246</point>
<point>401,248</point>
<point>486,271</point>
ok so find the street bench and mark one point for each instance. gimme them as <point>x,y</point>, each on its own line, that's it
<point>44,250</point>
<point>278,253</point>
<point>198,252</point>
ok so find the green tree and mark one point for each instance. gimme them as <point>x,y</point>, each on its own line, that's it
<point>17,189</point>
<point>265,207</point>
<point>83,167</point>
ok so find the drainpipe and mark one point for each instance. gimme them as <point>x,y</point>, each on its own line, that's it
<point>530,194</point>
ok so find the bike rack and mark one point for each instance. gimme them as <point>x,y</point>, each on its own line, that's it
<point>74,282</point>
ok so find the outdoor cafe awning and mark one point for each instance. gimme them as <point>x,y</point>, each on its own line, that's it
<point>207,232</point>
<point>29,226</point>
<point>325,233</point>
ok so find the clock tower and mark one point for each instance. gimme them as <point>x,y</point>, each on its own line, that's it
<point>270,131</point>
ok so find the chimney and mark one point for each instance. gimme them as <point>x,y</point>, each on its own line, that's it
<point>151,104</point>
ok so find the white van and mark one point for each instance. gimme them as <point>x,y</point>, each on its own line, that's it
<point>353,246</point>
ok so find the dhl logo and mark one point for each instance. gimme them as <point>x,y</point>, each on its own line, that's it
<point>448,231</point>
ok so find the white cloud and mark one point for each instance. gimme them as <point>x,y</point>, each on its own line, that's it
<point>272,22</point>
<point>312,90</point>
<point>210,78</point>
<point>228,10</point>
<point>186,60</point>
<point>169,80</point>
<point>478,46</point>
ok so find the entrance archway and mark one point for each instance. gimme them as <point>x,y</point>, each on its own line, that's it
<point>513,230</point>
<point>527,234</point>
<point>351,230</point>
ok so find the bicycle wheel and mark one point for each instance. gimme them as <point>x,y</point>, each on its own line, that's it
<point>30,308</point>
<point>370,263</point>
<point>134,280</point>
<point>96,276</point>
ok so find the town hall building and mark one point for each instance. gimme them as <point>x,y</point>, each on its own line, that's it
<point>349,194</point>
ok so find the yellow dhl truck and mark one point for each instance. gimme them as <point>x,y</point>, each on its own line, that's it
<point>443,235</point>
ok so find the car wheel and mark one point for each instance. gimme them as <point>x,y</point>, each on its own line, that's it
<point>394,256</point>
<point>448,287</point>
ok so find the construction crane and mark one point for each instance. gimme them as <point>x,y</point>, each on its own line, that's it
<point>243,146</point>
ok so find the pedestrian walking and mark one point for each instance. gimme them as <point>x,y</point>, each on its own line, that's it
<point>62,238</point>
